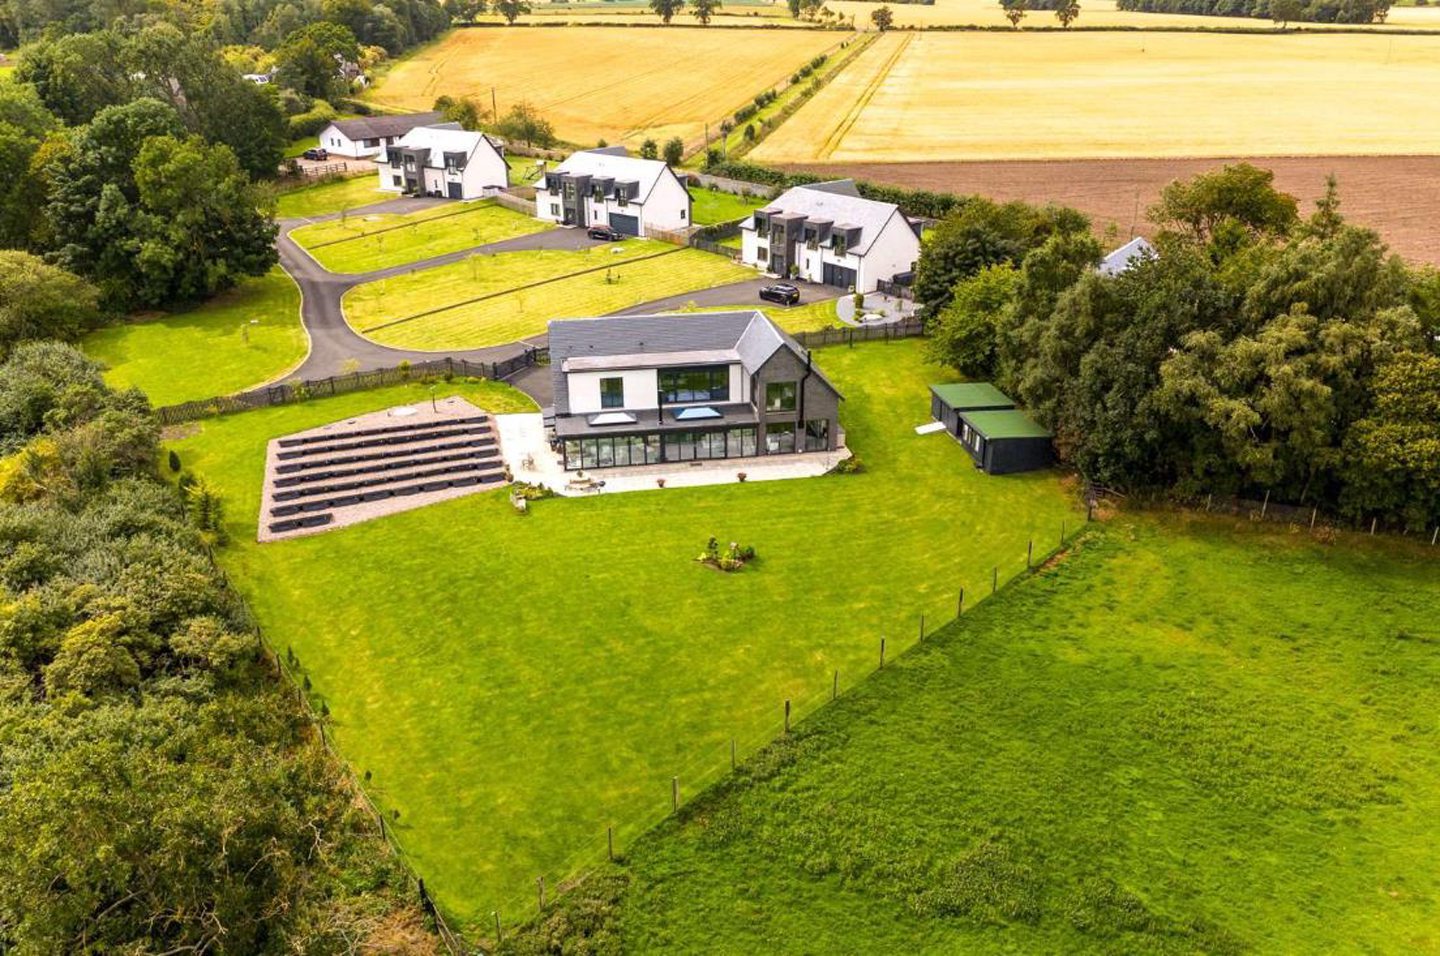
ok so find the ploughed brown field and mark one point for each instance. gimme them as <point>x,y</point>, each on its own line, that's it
<point>1398,196</point>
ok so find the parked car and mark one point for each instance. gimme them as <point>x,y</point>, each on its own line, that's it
<point>605,233</point>
<point>781,292</point>
<point>316,152</point>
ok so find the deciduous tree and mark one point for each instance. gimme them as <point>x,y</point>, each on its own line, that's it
<point>1067,12</point>
<point>703,10</point>
<point>511,10</point>
<point>666,9</point>
<point>883,18</point>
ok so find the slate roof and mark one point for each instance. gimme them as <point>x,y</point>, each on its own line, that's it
<point>839,202</point>
<point>746,334</point>
<point>1123,258</point>
<point>605,163</point>
<point>378,127</point>
<point>441,139</point>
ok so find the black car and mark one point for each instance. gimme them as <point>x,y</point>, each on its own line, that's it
<point>781,292</point>
<point>316,152</point>
<point>605,233</point>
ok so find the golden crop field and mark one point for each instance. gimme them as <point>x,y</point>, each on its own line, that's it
<point>605,83</point>
<point>1094,13</point>
<point>923,97</point>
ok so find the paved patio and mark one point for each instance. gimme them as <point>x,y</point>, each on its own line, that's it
<point>888,308</point>
<point>524,435</point>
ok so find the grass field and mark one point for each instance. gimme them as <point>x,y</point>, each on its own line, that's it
<point>243,338</point>
<point>709,206</point>
<point>957,96</point>
<point>332,195</point>
<point>806,317</point>
<point>1188,737</point>
<point>379,240</point>
<point>576,284</point>
<point>516,684</point>
<point>629,87</point>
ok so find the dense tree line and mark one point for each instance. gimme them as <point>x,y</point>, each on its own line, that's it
<point>921,203</point>
<point>130,162</point>
<point>1281,11</point>
<point>393,25</point>
<point>159,791</point>
<point>1257,351</point>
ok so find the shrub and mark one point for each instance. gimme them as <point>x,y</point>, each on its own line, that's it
<point>174,460</point>
<point>309,123</point>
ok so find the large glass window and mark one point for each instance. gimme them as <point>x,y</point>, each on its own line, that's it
<point>817,434</point>
<point>780,396</point>
<point>705,383</point>
<point>612,393</point>
<point>780,438</point>
<point>742,442</point>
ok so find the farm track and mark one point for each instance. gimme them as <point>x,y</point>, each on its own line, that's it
<point>1398,196</point>
<point>837,135</point>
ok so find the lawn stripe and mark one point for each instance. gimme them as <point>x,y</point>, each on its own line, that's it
<point>519,288</point>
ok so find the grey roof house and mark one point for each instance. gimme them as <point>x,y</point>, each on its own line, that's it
<point>369,135</point>
<point>640,390</point>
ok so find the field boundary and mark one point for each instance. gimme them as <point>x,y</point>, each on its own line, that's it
<point>832,142</point>
<point>518,288</point>
<point>476,207</point>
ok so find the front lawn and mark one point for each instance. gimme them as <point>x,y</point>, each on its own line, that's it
<point>235,341</point>
<point>365,243</point>
<point>1190,736</point>
<point>709,206</point>
<point>581,283</point>
<point>512,685</point>
<point>330,195</point>
<point>806,317</point>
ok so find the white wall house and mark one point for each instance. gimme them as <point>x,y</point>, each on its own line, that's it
<point>828,233</point>
<point>369,135</point>
<point>443,160</point>
<point>605,187</point>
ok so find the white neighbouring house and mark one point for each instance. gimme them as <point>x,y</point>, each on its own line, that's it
<point>369,135</point>
<point>443,160</point>
<point>1123,259</point>
<point>605,187</point>
<point>829,233</point>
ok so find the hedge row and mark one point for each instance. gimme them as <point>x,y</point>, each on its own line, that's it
<point>913,202</point>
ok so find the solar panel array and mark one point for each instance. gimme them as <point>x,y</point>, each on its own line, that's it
<point>318,475</point>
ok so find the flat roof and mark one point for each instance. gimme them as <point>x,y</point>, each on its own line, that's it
<point>1005,423</point>
<point>963,395</point>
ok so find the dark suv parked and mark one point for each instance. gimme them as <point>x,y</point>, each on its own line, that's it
<point>317,152</point>
<point>606,233</point>
<point>781,292</point>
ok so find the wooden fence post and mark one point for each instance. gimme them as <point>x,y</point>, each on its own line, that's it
<point>960,604</point>
<point>732,753</point>
<point>674,794</point>
<point>995,579</point>
<point>496,914</point>
<point>922,628</point>
<point>610,842</point>
<point>787,715</point>
<point>540,888</point>
<point>835,680</point>
<point>882,653</point>
<point>1030,554</point>
<point>1265,505</point>
<point>1314,513</point>
<point>1373,522</point>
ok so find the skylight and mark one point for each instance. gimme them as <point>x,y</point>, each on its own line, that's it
<point>612,418</point>
<point>696,413</point>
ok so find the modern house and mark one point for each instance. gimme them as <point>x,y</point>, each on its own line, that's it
<point>443,160</point>
<point>641,390</point>
<point>829,233</point>
<point>606,187</point>
<point>369,135</point>
<point>1124,258</point>
<point>999,437</point>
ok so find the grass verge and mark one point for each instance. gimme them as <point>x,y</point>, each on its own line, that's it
<point>511,306</point>
<point>331,195</point>
<point>710,206</point>
<point>233,342</point>
<point>379,240</point>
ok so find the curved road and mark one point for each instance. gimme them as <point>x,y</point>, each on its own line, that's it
<point>334,344</point>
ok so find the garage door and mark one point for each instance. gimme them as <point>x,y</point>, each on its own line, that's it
<point>629,225</point>
<point>453,190</point>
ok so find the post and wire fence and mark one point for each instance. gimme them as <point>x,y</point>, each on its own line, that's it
<point>670,792</point>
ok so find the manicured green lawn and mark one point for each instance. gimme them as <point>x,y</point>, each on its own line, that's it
<point>332,195</point>
<point>806,317</point>
<point>1187,737</point>
<point>364,243</point>
<point>238,340</point>
<point>589,282</point>
<point>523,170</point>
<point>710,206</point>
<point>516,684</point>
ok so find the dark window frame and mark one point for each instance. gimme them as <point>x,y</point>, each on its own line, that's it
<point>715,388</point>
<point>784,405</point>
<point>614,399</point>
